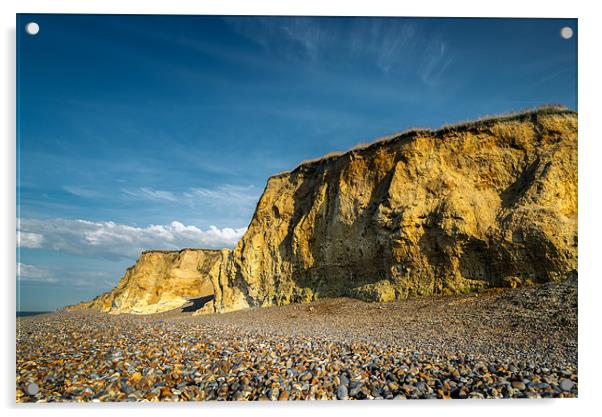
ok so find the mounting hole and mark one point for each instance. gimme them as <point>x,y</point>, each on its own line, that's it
<point>32,28</point>
<point>566,32</point>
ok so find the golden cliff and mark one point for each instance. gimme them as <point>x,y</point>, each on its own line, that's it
<point>483,204</point>
<point>159,281</point>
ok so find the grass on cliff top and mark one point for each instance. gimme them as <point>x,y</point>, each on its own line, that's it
<point>462,125</point>
<point>178,250</point>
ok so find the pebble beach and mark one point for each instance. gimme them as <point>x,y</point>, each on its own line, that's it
<point>510,343</point>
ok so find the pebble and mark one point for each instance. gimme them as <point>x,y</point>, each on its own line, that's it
<point>519,385</point>
<point>566,385</point>
<point>344,380</point>
<point>406,350</point>
<point>128,389</point>
<point>342,393</point>
<point>355,388</point>
<point>306,376</point>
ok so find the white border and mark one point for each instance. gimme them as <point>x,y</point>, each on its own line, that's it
<point>459,8</point>
<point>590,211</point>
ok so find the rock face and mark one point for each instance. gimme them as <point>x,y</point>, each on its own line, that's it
<point>483,204</point>
<point>159,281</point>
<point>489,203</point>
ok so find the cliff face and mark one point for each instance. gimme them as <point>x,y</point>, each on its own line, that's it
<point>489,203</point>
<point>159,281</point>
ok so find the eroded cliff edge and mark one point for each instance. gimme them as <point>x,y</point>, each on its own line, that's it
<point>160,281</point>
<point>482,204</point>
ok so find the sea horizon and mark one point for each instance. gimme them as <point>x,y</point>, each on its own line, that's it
<point>31,313</point>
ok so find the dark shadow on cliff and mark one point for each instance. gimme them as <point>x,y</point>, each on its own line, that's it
<point>197,303</point>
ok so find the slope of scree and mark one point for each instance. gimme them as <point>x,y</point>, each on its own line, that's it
<point>483,204</point>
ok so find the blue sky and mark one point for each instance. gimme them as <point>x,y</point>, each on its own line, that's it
<point>159,132</point>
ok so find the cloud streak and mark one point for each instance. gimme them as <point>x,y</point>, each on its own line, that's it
<point>26,272</point>
<point>36,274</point>
<point>112,240</point>
<point>81,191</point>
<point>146,193</point>
<point>392,45</point>
<point>226,196</point>
<point>223,195</point>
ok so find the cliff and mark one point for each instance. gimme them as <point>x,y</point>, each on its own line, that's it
<point>482,204</point>
<point>159,281</point>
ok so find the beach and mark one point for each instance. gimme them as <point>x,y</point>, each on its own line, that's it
<point>501,343</point>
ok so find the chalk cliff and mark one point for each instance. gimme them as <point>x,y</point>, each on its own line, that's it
<point>477,205</point>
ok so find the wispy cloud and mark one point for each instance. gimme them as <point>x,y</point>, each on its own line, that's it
<point>146,193</point>
<point>390,44</point>
<point>298,38</point>
<point>226,196</point>
<point>112,240</point>
<point>435,63</point>
<point>81,191</point>
<point>34,273</point>
<point>85,279</point>
<point>393,45</point>
<point>307,34</point>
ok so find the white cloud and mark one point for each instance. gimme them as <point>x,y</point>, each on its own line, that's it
<point>28,272</point>
<point>112,240</point>
<point>29,240</point>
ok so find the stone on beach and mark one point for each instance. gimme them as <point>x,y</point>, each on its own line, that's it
<point>518,343</point>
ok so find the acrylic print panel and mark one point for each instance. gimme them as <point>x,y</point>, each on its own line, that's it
<point>295,208</point>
